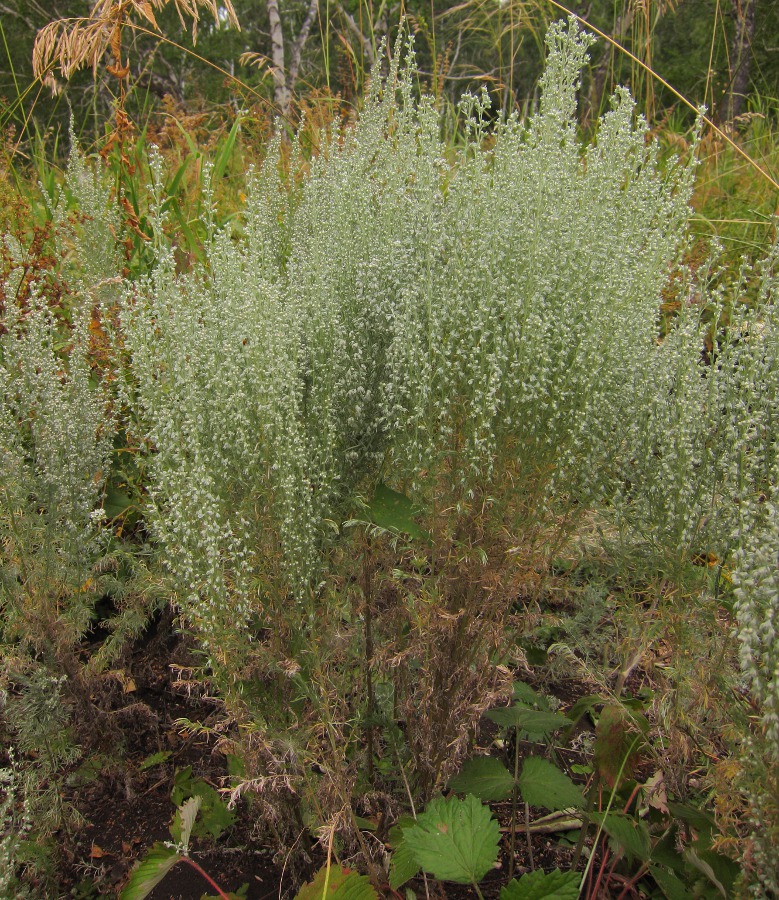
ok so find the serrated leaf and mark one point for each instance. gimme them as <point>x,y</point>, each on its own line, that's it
<point>455,840</point>
<point>541,783</point>
<point>339,884</point>
<point>403,865</point>
<point>155,760</point>
<point>184,821</point>
<point>523,693</point>
<point>150,872</point>
<point>542,885</point>
<point>631,835</point>
<point>535,722</point>
<point>394,511</point>
<point>485,777</point>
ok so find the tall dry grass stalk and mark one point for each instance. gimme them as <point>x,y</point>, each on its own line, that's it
<point>71,44</point>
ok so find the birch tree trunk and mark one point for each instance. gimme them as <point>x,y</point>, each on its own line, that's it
<point>285,72</point>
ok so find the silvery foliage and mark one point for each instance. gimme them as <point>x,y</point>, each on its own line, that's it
<point>530,296</point>
<point>756,580</point>
<point>701,443</point>
<point>15,823</point>
<point>488,320</point>
<point>88,250</point>
<point>55,444</point>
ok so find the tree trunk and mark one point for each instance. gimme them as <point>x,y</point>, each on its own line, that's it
<point>285,76</point>
<point>281,92</point>
<point>741,59</point>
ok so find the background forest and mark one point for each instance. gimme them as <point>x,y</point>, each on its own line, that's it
<point>718,53</point>
<point>389,474</point>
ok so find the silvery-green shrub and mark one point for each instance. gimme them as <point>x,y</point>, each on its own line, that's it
<point>462,326</point>
<point>55,445</point>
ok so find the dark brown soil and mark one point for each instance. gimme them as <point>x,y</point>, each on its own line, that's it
<point>125,808</point>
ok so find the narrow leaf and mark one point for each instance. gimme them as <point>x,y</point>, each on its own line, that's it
<point>223,157</point>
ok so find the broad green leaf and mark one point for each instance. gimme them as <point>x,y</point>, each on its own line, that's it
<point>631,835</point>
<point>669,884</point>
<point>455,840</point>
<point>150,872</point>
<point>541,783</point>
<point>523,693</point>
<point>215,817</point>
<point>184,821</point>
<point>617,744</point>
<point>700,820</point>
<point>535,722</point>
<point>719,870</point>
<point>115,502</point>
<point>339,884</point>
<point>485,777</point>
<point>394,511</point>
<point>403,864</point>
<point>155,760</point>
<point>542,885</point>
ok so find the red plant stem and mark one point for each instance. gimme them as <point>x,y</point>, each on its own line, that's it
<point>594,892</point>
<point>207,877</point>
<point>631,883</point>
<point>630,798</point>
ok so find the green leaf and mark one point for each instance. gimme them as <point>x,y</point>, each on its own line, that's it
<point>541,783</point>
<point>617,744</point>
<point>455,840</point>
<point>542,885</point>
<point>718,869</point>
<point>394,511</point>
<point>150,872</point>
<point>115,502</point>
<point>215,817</point>
<point>225,152</point>
<point>535,722</point>
<point>339,884</point>
<point>669,884</point>
<point>403,864</point>
<point>631,835</point>
<point>584,706</point>
<point>525,694</point>
<point>485,777</point>
<point>698,818</point>
<point>184,821</point>
<point>155,760</point>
